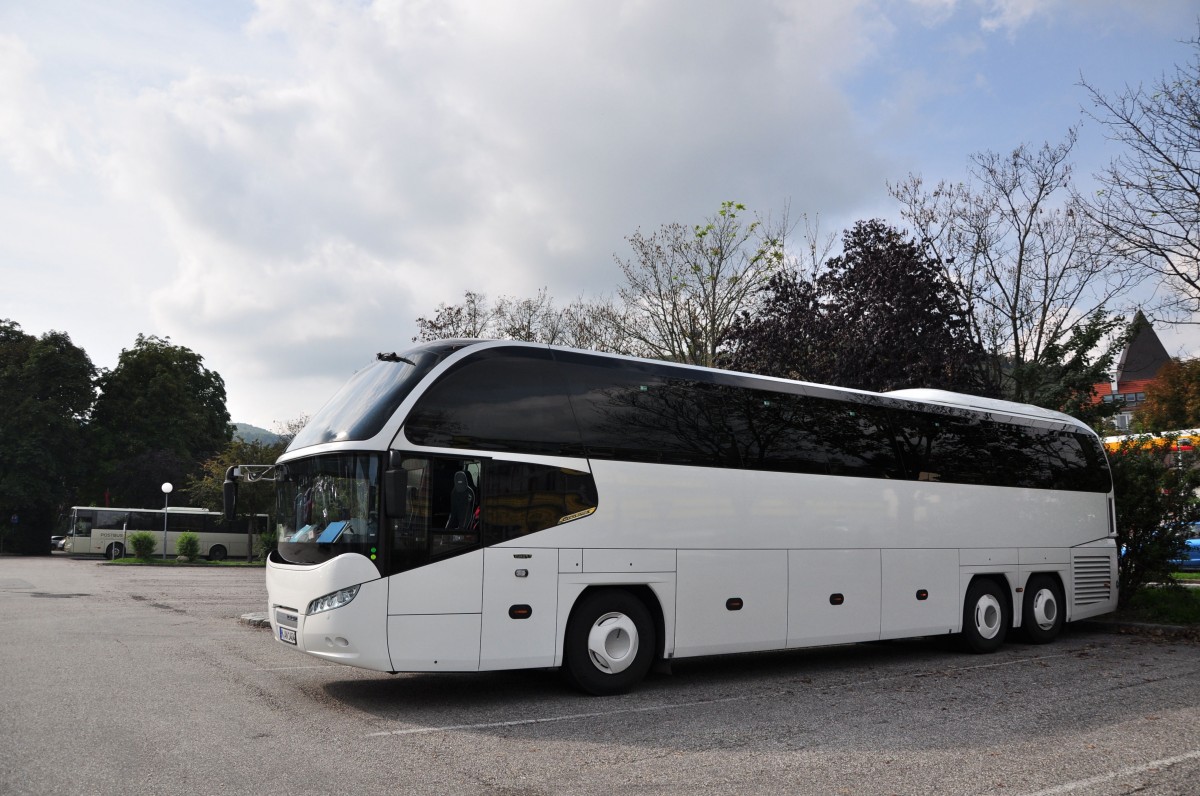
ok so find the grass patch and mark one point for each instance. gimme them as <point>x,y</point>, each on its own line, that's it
<point>1187,576</point>
<point>1164,605</point>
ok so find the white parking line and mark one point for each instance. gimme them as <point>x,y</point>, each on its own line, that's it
<point>570,717</point>
<point>683,705</point>
<point>1078,784</point>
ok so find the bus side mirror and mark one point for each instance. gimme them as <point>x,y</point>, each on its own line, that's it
<point>395,492</point>
<point>230,490</point>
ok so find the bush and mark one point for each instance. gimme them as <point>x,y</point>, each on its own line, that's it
<point>1156,505</point>
<point>142,543</point>
<point>265,542</point>
<point>188,545</point>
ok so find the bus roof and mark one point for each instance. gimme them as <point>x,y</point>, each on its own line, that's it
<point>964,401</point>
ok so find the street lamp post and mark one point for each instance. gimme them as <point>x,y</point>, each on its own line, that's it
<point>166,488</point>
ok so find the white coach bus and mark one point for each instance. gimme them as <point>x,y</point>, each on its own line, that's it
<point>105,531</point>
<point>483,505</point>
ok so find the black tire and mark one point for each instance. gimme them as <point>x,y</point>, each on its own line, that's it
<point>114,551</point>
<point>610,642</point>
<point>217,553</point>
<point>1042,610</point>
<point>986,617</point>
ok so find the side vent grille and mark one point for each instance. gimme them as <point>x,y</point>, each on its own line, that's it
<point>1093,579</point>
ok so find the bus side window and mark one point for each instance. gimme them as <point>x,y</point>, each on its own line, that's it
<point>441,511</point>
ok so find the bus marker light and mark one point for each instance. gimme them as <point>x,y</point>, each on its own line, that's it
<point>522,573</point>
<point>734,604</point>
<point>922,594</point>
<point>520,612</point>
<point>836,599</point>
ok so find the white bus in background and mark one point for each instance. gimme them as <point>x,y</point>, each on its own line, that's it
<point>105,531</point>
<point>483,505</point>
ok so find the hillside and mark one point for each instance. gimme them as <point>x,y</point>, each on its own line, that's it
<point>249,433</point>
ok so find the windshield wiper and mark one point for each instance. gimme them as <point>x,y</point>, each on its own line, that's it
<point>394,357</point>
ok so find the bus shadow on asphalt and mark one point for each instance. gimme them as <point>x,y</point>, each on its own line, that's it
<point>716,676</point>
<point>889,695</point>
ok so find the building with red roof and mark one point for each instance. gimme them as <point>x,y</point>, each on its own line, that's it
<point>1138,367</point>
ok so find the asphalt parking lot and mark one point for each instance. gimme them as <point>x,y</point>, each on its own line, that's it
<point>138,680</point>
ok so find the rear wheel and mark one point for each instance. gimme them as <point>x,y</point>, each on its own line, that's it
<point>217,553</point>
<point>114,551</point>
<point>1042,610</point>
<point>985,616</point>
<point>610,642</point>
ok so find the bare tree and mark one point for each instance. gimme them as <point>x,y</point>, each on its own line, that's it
<point>1037,276</point>
<point>1149,199</point>
<point>473,318</point>
<point>599,324</point>
<point>684,287</point>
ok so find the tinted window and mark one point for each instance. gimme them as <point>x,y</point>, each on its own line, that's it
<point>1078,463</point>
<point>502,400</point>
<point>517,401</point>
<point>145,521</point>
<point>945,446</point>
<point>197,523</point>
<point>640,412</point>
<point>1017,457</point>
<point>441,516</point>
<point>796,433</point>
<point>520,499</point>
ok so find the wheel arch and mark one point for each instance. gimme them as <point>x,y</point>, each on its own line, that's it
<point>644,593</point>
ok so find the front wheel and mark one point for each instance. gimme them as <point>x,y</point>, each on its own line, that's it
<point>114,552</point>
<point>1041,612</point>
<point>985,617</point>
<point>217,553</point>
<point>610,642</point>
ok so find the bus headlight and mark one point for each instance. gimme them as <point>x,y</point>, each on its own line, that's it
<point>335,600</point>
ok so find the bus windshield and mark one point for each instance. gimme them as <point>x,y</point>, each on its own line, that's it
<point>327,506</point>
<point>361,408</point>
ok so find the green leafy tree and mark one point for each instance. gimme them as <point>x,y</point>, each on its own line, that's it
<point>1156,505</point>
<point>205,489</point>
<point>46,393</point>
<point>1172,400</point>
<point>159,415</point>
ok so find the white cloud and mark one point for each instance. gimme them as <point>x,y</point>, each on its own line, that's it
<point>285,188</point>
<point>33,137</point>
<point>419,150</point>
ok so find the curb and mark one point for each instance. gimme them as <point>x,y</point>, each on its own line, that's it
<point>255,620</point>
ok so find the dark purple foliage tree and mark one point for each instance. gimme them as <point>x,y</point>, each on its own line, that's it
<point>880,316</point>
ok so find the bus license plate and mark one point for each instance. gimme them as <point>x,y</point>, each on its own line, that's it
<point>286,634</point>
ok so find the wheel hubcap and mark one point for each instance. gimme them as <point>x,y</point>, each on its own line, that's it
<point>1045,609</point>
<point>613,643</point>
<point>987,616</point>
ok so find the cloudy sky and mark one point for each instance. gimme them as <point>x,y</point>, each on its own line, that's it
<point>284,187</point>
